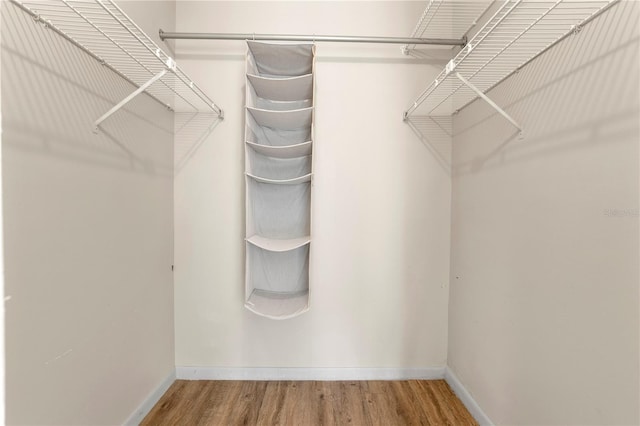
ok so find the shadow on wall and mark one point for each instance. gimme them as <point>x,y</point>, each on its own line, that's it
<point>567,97</point>
<point>191,130</point>
<point>434,54</point>
<point>436,133</point>
<point>54,92</point>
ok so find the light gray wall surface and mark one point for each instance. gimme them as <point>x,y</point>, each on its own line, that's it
<point>380,249</point>
<point>88,241</point>
<point>543,309</point>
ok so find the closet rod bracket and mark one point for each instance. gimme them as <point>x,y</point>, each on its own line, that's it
<point>489,101</point>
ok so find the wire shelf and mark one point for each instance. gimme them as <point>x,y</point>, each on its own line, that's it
<point>103,30</point>
<point>448,19</point>
<point>518,32</point>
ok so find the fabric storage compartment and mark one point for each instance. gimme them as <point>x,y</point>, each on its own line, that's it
<point>279,170</point>
<point>281,272</point>
<point>282,89</point>
<point>296,119</point>
<point>285,151</point>
<point>277,282</point>
<point>279,60</point>
<point>259,101</point>
<point>269,129</point>
<point>279,94</point>
<point>277,305</point>
<point>278,211</point>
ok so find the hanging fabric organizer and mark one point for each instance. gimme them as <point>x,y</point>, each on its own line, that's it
<point>279,169</point>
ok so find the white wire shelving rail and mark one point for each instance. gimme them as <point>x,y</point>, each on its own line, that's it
<point>519,31</point>
<point>104,31</point>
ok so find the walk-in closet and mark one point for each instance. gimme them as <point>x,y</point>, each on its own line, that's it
<point>320,212</point>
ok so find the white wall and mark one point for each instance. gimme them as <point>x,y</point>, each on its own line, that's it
<point>380,251</point>
<point>2,328</point>
<point>544,278</point>
<point>88,234</point>
<point>151,16</point>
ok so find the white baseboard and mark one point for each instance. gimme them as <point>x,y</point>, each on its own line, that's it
<point>239,373</point>
<point>136,417</point>
<point>461,392</point>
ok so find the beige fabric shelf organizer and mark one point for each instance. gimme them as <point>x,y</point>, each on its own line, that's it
<point>279,171</point>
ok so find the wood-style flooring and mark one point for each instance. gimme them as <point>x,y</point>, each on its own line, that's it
<point>388,403</point>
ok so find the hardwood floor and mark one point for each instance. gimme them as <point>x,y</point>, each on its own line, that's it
<point>410,402</point>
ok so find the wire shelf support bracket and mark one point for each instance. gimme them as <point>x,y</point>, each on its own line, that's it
<point>104,31</point>
<point>490,102</point>
<point>127,99</point>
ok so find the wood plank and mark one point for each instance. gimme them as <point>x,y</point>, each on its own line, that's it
<point>359,403</point>
<point>384,404</point>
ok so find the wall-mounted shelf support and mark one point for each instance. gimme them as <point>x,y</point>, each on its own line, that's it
<point>128,99</point>
<point>489,101</point>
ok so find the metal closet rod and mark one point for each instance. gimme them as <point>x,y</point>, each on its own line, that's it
<point>312,38</point>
